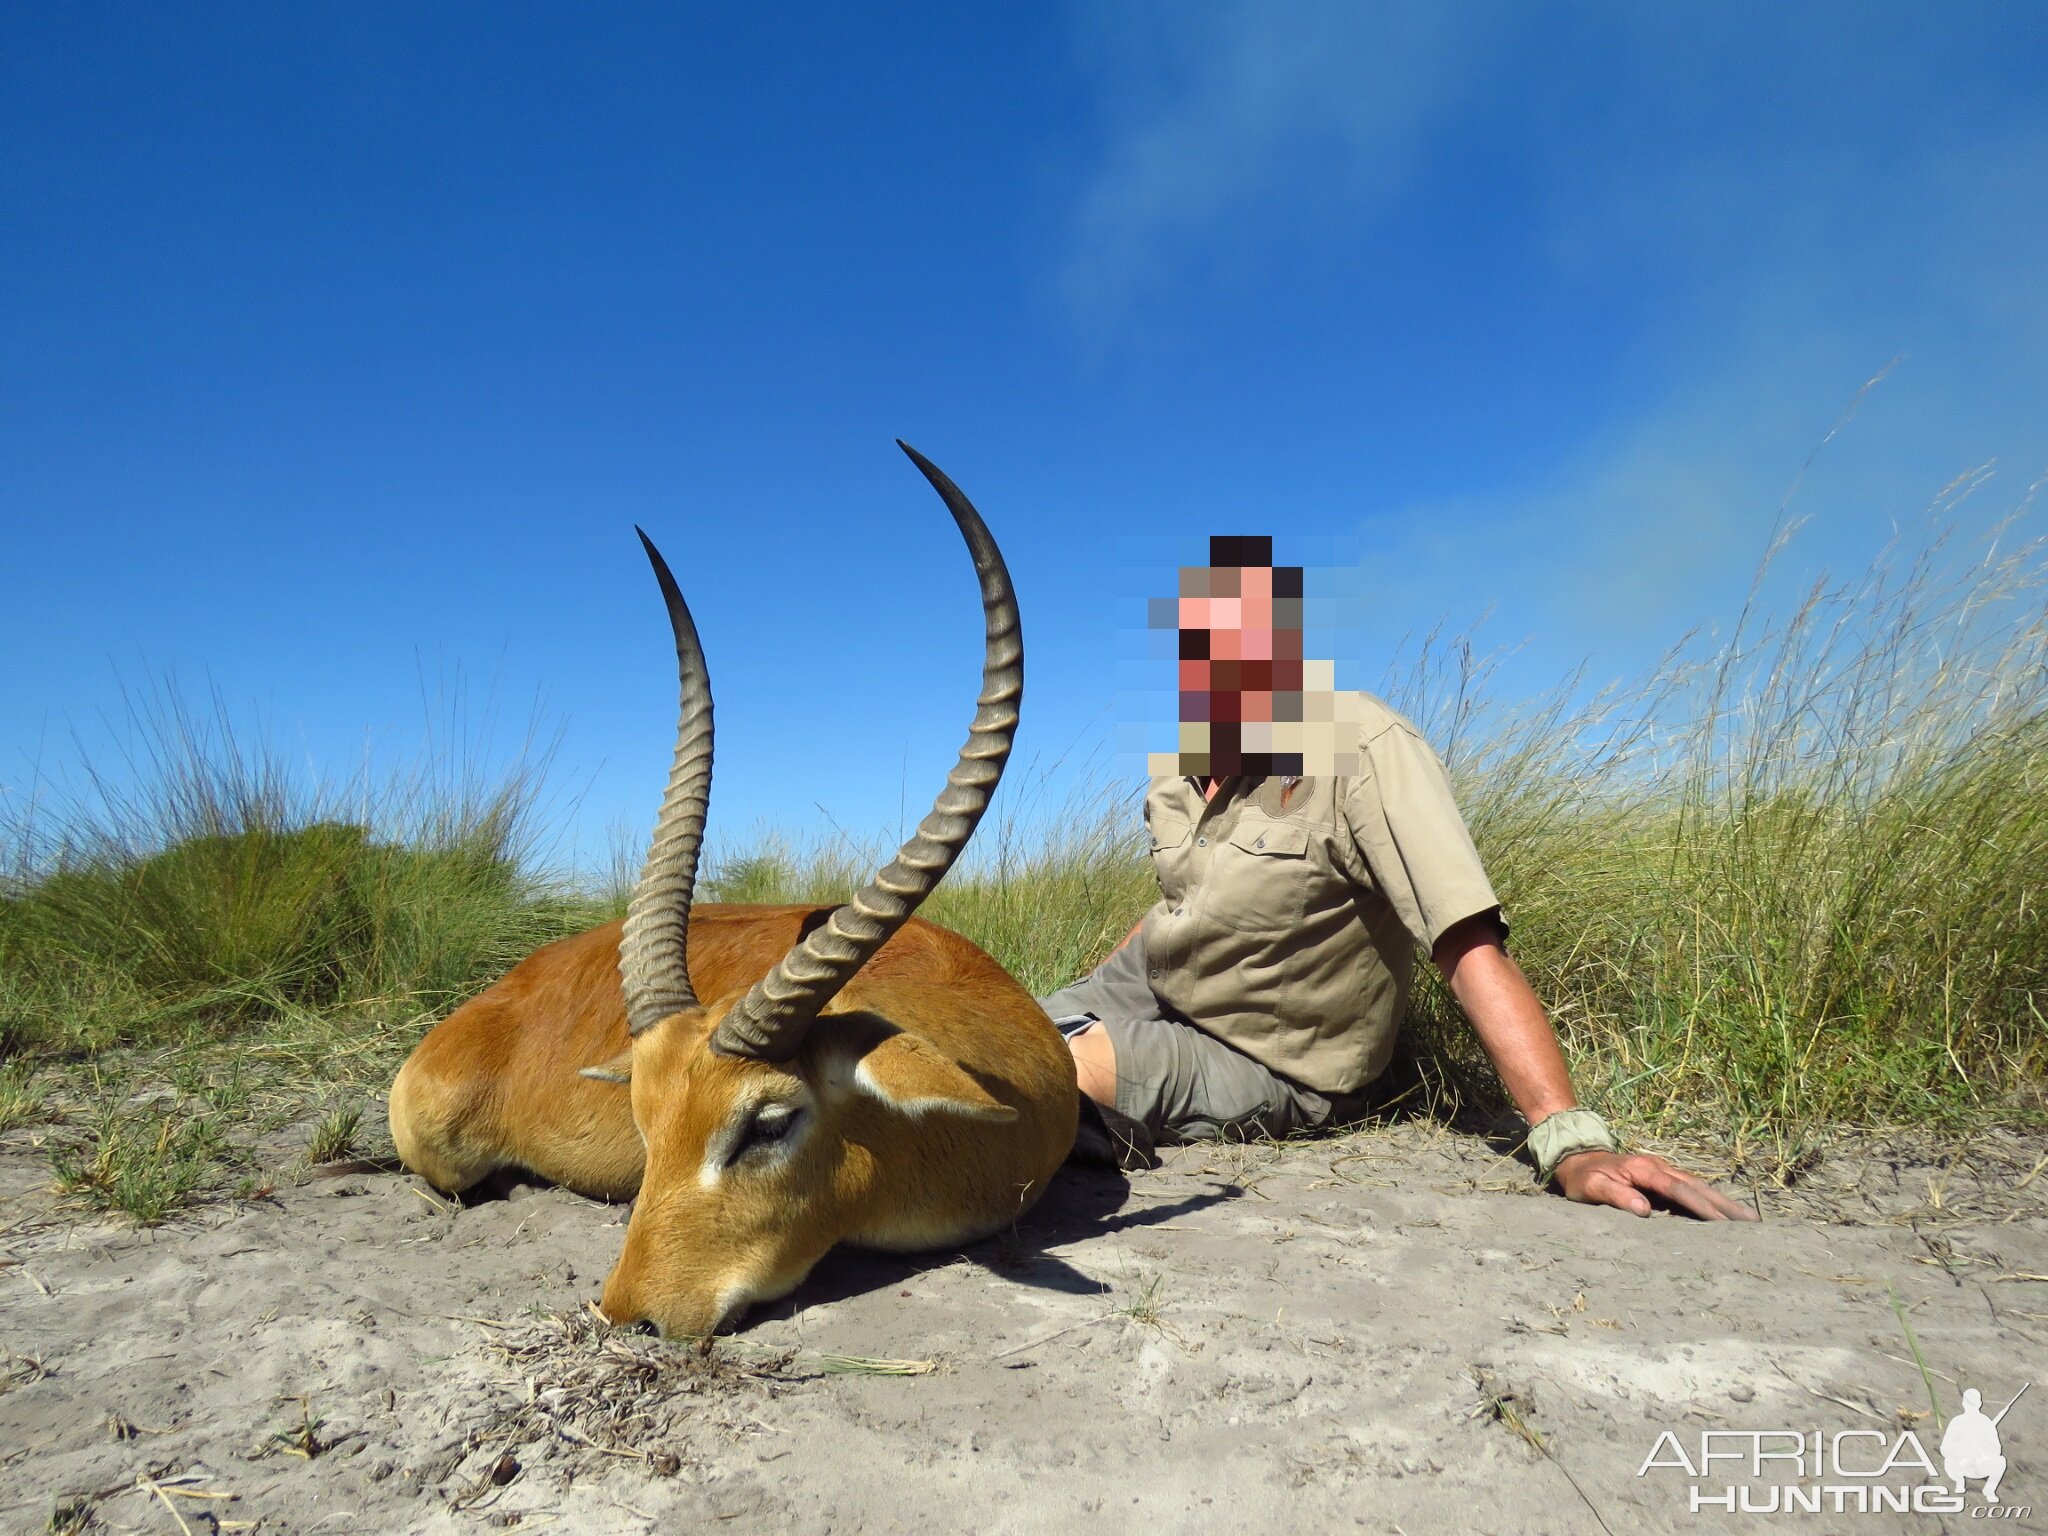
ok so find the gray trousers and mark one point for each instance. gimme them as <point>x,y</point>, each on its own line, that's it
<point>1176,1081</point>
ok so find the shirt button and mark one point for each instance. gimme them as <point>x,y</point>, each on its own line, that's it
<point>1201,842</point>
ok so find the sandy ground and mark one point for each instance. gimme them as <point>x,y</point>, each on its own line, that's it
<point>1375,1332</point>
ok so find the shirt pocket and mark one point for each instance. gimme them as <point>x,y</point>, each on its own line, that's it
<point>1258,881</point>
<point>1172,844</point>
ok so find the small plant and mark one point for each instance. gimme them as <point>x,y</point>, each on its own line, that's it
<point>1913,1345</point>
<point>335,1137</point>
<point>302,1439</point>
<point>21,1098</point>
<point>20,1370</point>
<point>1148,1305</point>
<point>1506,1405</point>
<point>145,1162</point>
<point>225,1090</point>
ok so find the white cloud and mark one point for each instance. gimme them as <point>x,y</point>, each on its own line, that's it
<point>1226,124</point>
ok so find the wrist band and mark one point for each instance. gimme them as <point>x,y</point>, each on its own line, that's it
<point>1569,1130</point>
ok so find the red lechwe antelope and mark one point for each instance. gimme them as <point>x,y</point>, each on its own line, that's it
<point>796,1077</point>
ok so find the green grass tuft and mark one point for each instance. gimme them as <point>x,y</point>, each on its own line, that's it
<point>219,894</point>
<point>145,1162</point>
<point>335,1136</point>
<point>23,1100</point>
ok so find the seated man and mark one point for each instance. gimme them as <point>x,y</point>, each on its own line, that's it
<point>1262,993</point>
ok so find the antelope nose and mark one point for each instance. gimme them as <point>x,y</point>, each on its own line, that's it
<point>648,1326</point>
<point>622,1310</point>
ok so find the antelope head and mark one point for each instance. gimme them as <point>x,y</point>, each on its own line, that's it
<point>771,1134</point>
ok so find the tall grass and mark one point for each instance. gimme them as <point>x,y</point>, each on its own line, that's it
<point>212,888</point>
<point>1787,878</point>
<point>1046,891</point>
<point>1793,876</point>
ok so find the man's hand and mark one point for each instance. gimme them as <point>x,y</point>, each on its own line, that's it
<point>1622,1179</point>
<point>1511,1025</point>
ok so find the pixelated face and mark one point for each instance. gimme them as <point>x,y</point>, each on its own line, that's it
<point>1240,611</point>
<point>1249,701</point>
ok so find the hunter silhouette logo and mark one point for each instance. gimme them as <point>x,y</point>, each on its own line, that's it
<point>1970,1446</point>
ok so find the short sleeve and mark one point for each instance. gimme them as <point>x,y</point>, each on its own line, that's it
<point>1405,821</point>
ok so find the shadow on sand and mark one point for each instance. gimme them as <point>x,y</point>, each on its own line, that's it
<point>1082,1203</point>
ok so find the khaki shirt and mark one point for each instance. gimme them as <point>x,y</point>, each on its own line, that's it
<point>1290,934</point>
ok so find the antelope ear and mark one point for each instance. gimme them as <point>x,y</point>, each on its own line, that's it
<point>909,1074</point>
<point>618,1070</point>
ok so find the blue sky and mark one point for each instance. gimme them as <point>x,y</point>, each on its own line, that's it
<point>342,346</point>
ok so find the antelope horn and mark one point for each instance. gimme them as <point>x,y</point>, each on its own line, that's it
<point>654,957</point>
<point>771,1021</point>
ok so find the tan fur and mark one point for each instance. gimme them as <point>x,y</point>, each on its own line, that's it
<point>496,1084</point>
<point>943,1101</point>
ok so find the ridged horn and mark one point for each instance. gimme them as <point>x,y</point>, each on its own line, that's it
<point>771,1021</point>
<point>654,952</point>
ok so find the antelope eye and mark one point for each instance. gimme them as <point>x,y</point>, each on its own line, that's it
<point>770,1126</point>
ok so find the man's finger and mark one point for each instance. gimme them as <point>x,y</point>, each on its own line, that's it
<point>1685,1191</point>
<point>1608,1187</point>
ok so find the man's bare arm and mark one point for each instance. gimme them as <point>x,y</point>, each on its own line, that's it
<point>1517,1037</point>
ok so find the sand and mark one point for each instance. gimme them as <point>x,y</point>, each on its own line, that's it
<point>1389,1332</point>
